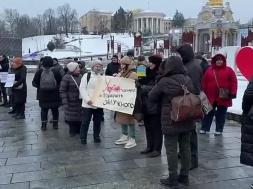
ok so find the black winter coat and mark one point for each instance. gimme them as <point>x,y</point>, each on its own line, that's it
<point>112,68</point>
<point>194,70</point>
<point>4,65</point>
<point>246,157</point>
<point>168,87</point>
<point>20,95</point>
<point>147,84</point>
<point>48,99</point>
<point>70,97</point>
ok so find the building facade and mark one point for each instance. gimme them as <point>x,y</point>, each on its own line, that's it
<point>149,21</point>
<point>215,28</point>
<point>167,23</point>
<point>95,21</point>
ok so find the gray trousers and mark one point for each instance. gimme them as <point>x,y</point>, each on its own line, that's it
<point>171,146</point>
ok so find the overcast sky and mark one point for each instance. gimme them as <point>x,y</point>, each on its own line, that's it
<point>190,8</point>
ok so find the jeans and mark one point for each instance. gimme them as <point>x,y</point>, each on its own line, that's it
<point>20,109</point>
<point>153,131</point>
<point>130,128</point>
<point>97,117</point>
<point>44,114</point>
<point>220,117</point>
<point>3,90</point>
<point>171,146</point>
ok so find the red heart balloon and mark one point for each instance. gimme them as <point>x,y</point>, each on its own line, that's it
<point>244,61</point>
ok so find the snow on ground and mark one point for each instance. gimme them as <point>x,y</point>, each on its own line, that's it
<point>90,45</point>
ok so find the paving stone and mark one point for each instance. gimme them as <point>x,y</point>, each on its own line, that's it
<point>22,160</point>
<point>17,148</point>
<point>83,180</point>
<point>24,185</point>
<point>43,152</point>
<point>5,178</point>
<point>221,163</point>
<point>8,154</point>
<point>2,162</point>
<point>38,175</point>
<point>151,161</point>
<point>20,168</point>
<point>230,153</point>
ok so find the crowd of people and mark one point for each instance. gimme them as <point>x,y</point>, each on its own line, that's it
<point>72,87</point>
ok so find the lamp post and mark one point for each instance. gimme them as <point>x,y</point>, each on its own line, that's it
<point>80,46</point>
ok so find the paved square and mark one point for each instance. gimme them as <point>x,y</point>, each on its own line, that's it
<point>30,158</point>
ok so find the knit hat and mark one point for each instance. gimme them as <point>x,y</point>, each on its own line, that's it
<point>96,62</point>
<point>48,61</point>
<point>155,59</point>
<point>125,60</point>
<point>72,66</point>
<point>17,60</point>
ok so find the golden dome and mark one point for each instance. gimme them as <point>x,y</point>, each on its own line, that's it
<point>216,3</point>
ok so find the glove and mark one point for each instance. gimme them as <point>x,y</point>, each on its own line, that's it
<point>137,84</point>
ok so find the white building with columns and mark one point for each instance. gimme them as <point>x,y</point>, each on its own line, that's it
<point>149,21</point>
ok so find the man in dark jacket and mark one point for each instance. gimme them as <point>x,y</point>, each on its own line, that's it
<point>194,71</point>
<point>203,62</point>
<point>59,67</point>
<point>113,67</point>
<point>4,67</point>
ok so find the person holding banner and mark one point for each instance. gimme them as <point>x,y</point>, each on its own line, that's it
<point>4,67</point>
<point>126,121</point>
<point>87,87</point>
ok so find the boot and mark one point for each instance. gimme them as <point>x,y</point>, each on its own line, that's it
<point>146,151</point>
<point>154,154</point>
<point>169,182</point>
<point>13,111</point>
<point>55,125</point>
<point>97,140</point>
<point>20,117</point>
<point>183,180</point>
<point>44,126</point>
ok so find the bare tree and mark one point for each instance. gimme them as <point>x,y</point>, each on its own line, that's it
<point>49,19</point>
<point>23,26</point>
<point>11,17</point>
<point>40,23</point>
<point>67,17</point>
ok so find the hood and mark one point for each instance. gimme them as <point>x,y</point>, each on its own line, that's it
<point>224,60</point>
<point>186,53</point>
<point>47,62</point>
<point>172,66</point>
<point>5,61</point>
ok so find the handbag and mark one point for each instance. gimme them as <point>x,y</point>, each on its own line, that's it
<point>224,93</point>
<point>80,97</point>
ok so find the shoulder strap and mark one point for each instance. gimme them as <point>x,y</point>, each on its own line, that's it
<point>215,77</point>
<point>88,77</point>
<point>74,81</point>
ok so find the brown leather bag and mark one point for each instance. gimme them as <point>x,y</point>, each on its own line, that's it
<point>224,93</point>
<point>186,107</point>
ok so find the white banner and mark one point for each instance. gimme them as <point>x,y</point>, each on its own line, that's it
<point>115,93</point>
<point>3,76</point>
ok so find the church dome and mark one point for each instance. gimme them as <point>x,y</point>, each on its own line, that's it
<point>216,3</point>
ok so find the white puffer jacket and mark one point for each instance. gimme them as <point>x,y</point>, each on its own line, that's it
<point>87,89</point>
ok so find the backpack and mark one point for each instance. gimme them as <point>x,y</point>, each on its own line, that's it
<point>47,80</point>
<point>186,107</point>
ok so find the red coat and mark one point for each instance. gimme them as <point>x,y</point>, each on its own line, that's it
<point>226,79</point>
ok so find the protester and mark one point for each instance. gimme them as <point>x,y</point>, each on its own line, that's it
<point>113,68</point>
<point>130,54</point>
<point>218,77</point>
<point>82,67</point>
<point>58,66</point>
<point>169,85</point>
<point>4,67</point>
<point>126,121</point>
<point>202,61</point>
<point>48,80</point>
<point>194,71</point>
<point>69,91</point>
<point>75,59</point>
<point>19,88</point>
<point>151,111</point>
<point>87,86</point>
<point>10,93</point>
<point>66,61</point>
<point>246,157</point>
<point>141,61</point>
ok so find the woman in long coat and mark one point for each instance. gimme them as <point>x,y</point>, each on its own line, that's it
<point>69,91</point>
<point>247,127</point>
<point>126,121</point>
<point>19,88</point>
